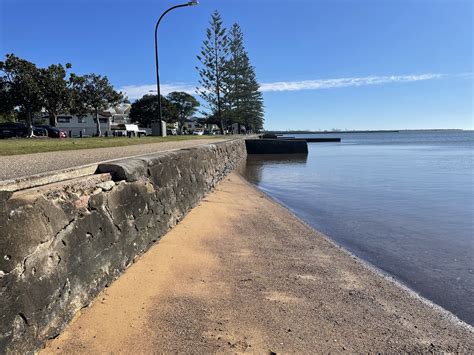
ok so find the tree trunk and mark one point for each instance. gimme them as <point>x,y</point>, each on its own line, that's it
<point>248,128</point>
<point>53,120</point>
<point>218,85</point>
<point>222,126</point>
<point>99,133</point>
<point>180,125</point>
<point>30,124</point>
<point>219,112</point>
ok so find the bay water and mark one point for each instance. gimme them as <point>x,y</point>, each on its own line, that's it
<point>402,201</point>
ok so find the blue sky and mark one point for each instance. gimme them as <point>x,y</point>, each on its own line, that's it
<point>380,64</point>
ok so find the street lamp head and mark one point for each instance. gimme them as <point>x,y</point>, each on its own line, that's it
<point>193,3</point>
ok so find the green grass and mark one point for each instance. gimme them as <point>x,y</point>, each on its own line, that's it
<point>27,146</point>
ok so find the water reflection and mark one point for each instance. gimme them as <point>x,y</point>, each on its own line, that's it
<point>256,163</point>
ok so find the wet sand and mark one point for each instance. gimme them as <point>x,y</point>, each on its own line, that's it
<point>241,273</point>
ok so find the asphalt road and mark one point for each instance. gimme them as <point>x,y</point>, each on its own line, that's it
<point>20,166</point>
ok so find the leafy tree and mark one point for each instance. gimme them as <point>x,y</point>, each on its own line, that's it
<point>145,110</point>
<point>185,105</point>
<point>55,91</point>
<point>243,98</point>
<point>213,57</point>
<point>20,87</point>
<point>8,117</point>
<point>7,106</point>
<point>168,110</point>
<point>92,93</point>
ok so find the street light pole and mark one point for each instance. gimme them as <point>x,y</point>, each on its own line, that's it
<point>190,3</point>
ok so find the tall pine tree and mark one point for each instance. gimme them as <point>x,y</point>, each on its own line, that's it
<point>213,59</point>
<point>244,101</point>
<point>234,77</point>
<point>253,103</point>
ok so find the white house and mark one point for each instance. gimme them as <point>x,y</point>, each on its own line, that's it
<point>109,119</point>
<point>120,113</point>
<point>86,126</point>
<point>192,124</point>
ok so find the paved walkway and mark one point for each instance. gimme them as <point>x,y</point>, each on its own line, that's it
<point>242,274</point>
<point>20,166</point>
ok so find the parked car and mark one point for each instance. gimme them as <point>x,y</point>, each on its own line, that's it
<point>142,132</point>
<point>11,129</point>
<point>54,132</point>
<point>40,131</point>
<point>198,132</point>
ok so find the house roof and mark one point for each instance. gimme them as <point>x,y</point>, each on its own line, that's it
<point>121,109</point>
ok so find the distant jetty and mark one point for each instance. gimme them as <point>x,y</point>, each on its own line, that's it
<point>365,131</point>
<point>268,136</point>
<point>329,132</point>
<point>313,140</point>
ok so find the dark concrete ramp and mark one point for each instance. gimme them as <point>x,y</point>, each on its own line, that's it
<point>276,146</point>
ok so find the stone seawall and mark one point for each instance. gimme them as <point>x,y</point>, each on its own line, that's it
<point>62,243</point>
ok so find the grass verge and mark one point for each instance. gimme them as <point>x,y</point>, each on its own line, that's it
<point>27,146</point>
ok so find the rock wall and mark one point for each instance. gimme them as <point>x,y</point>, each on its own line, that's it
<point>61,244</point>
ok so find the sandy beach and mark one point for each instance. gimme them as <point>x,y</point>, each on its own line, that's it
<point>241,273</point>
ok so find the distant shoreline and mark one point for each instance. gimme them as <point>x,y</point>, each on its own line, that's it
<point>368,131</point>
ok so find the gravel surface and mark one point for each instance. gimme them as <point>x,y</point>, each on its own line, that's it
<point>19,166</point>
<point>242,274</point>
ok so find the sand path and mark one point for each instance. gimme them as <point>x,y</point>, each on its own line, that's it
<point>240,273</point>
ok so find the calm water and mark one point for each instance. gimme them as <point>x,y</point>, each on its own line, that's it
<point>402,201</point>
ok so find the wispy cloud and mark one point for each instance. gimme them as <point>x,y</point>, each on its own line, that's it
<point>344,82</point>
<point>137,91</point>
